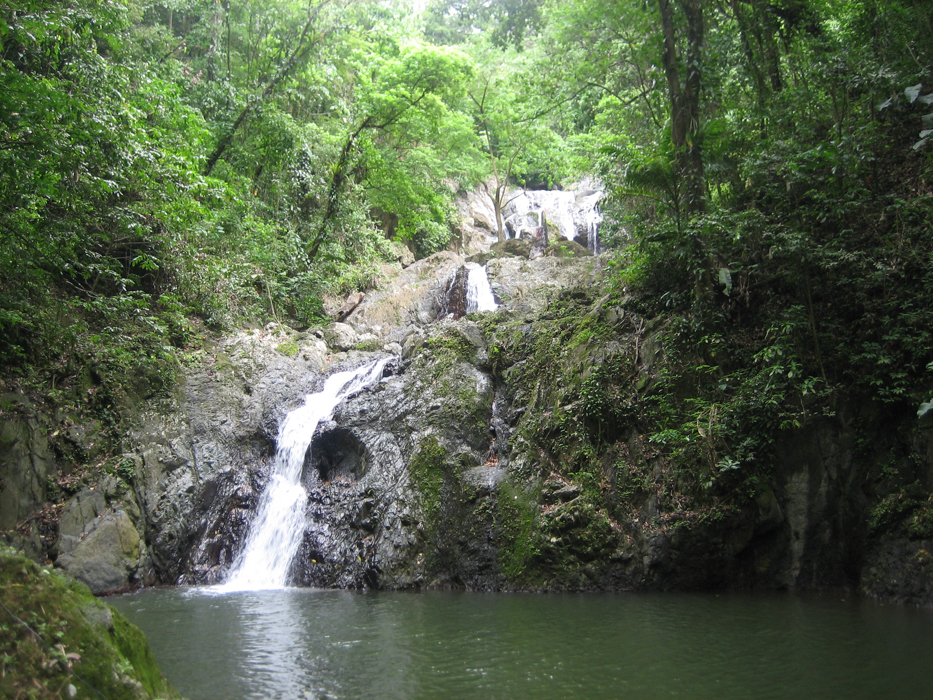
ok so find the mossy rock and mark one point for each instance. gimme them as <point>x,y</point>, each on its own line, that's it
<point>57,640</point>
<point>512,247</point>
<point>567,249</point>
<point>289,348</point>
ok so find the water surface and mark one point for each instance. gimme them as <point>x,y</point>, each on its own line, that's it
<point>304,643</point>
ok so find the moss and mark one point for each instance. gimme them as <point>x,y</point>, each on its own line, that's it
<point>516,539</point>
<point>132,644</point>
<point>55,634</point>
<point>427,472</point>
<point>890,512</point>
<point>579,532</point>
<point>289,348</point>
<point>920,526</point>
<point>372,345</point>
<point>444,505</point>
<point>447,369</point>
<point>449,346</point>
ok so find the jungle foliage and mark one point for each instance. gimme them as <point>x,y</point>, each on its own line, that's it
<point>174,165</point>
<point>771,195</point>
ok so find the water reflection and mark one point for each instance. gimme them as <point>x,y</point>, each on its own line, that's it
<point>300,643</point>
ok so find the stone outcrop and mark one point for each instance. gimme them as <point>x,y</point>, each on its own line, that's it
<point>106,557</point>
<point>26,462</point>
<point>477,228</point>
<point>62,642</point>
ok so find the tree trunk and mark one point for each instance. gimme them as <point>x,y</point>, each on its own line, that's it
<point>684,96</point>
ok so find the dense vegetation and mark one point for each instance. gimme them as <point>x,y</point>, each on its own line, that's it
<point>174,166</point>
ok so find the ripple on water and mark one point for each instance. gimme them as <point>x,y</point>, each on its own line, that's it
<point>300,643</point>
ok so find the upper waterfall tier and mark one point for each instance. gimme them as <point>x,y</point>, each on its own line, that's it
<point>573,214</point>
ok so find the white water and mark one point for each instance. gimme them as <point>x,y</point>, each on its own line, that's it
<point>276,531</point>
<point>574,212</point>
<point>479,291</point>
<point>589,218</point>
<point>527,211</point>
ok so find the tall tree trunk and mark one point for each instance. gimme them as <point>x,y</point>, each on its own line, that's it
<point>684,93</point>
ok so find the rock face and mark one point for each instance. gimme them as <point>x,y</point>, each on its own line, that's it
<point>25,462</point>
<point>199,458</point>
<point>469,464</point>
<point>477,228</point>
<point>525,285</point>
<point>367,509</point>
<point>202,459</point>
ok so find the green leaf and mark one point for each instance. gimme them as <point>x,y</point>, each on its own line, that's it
<point>924,409</point>
<point>913,92</point>
<point>725,278</point>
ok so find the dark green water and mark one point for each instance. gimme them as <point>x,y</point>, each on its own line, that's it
<point>301,643</point>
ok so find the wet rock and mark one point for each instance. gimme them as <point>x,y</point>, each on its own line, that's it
<point>899,570</point>
<point>200,458</point>
<point>485,479</point>
<point>512,247</point>
<point>78,517</point>
<point>107,556</point>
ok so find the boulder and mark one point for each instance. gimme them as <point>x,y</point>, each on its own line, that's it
<point>341,336</point>
<point>525,286</point>
<point>95,647</point>
<point>107,556</point>
<point>407,296</point>
<point>514,247</point>
<point>78,516</point>
<point>567,249</point>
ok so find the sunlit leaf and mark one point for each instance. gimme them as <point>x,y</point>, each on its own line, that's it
<point>913,92</point>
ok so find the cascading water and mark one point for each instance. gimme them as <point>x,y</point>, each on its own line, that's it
<point>276,531</point>
<point>573,213</point>
<point>479,291</point>
<point>590,218</point>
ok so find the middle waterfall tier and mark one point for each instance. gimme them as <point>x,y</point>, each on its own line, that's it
<point>276,531</point>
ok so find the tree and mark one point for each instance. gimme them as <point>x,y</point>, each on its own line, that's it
<point>394,97</point>
<point>505,23</point>
<point>308,38</point>
<point>684,74</point>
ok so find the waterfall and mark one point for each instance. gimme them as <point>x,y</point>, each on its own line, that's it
<point>590,219</point>
<point>276,531</point>
<point>526,212</point>
<point>574,214</point>
<point>479,292</point>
